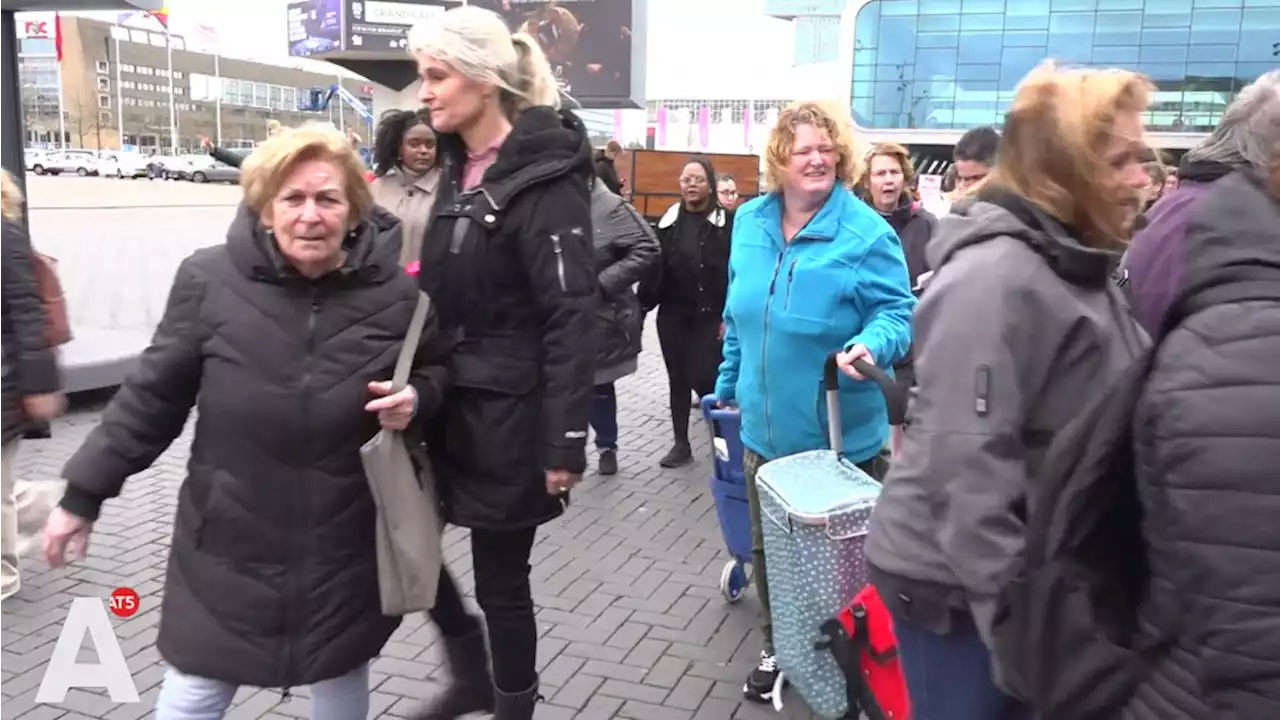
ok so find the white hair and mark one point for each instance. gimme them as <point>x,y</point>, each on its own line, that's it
<point>1249,130</point>
<point>477,43</point>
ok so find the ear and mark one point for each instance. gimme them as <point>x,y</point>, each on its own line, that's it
<point>265,218</point>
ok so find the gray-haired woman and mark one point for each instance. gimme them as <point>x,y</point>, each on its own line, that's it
<point>509,263</point>
<point>1154,266</point>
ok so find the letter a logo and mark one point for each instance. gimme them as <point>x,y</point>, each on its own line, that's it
<point>87,615</point>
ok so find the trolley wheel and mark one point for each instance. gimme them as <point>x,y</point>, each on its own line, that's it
<point>733,581</point>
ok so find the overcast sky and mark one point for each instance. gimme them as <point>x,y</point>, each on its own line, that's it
<point>696,48</point>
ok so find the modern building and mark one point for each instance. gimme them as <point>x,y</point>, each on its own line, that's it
<point>926,70</point>
<point>116,86</point>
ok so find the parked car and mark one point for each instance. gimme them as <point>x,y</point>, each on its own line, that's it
<point>217,172</point>
<point>122,165</point>
<point>80,162</point>
<point>164,167</point>
<point>36,160</point>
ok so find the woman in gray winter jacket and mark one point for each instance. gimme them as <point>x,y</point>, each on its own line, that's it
<point>1019,322</point>
<point>626,248</point>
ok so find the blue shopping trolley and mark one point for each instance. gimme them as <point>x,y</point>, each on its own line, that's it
<point>729,490</point>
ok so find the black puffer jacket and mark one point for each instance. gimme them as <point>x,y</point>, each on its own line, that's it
<point>510,266</point>
<point>626,250</point>
<point>272,577</point>
<point>1208,447</point>
<point>691,278</point>
<point>30,367</point>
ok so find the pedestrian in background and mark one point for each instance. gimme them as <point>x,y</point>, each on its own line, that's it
<point>626,249</point>
<point>406,172</point>
<point>688,287</point>
<point>31,386</point>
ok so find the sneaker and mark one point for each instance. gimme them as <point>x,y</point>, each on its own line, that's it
<point>765,682</point>
<point>608,462</point>
<point>680,454</point>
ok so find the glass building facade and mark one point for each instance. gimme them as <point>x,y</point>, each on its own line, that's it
<point>954,64</point>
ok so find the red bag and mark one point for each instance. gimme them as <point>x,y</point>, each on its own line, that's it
<point>862,641</point>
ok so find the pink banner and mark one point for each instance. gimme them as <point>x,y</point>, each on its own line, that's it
<point>617,126</point>
<point>704,126</point>
<point>662,126</point>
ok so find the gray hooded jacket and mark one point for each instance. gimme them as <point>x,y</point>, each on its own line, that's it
<point>1013,335</point>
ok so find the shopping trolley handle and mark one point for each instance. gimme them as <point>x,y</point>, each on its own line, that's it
<point>895,395</point>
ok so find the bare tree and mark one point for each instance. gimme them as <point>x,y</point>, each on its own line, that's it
<point>83,116</point>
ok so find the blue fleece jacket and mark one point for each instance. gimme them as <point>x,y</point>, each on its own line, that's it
<point>842,281</point>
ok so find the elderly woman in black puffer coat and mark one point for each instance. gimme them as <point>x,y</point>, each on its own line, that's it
<point>283,338</point>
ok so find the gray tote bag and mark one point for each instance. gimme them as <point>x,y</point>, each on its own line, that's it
<point>409,525</point>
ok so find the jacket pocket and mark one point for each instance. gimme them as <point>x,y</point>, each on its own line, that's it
<point>573,260</point>
<point>491,423</point>
<point>812,292</point>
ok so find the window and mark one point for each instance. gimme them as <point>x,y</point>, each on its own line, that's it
<point>104,101</point>
<point>177,91</point>
<point>177,75</point>
<point>104,117</point>
<point>102,66</point>
<point>104,84</point>
<point>125,67</point>
<point>955,63</point>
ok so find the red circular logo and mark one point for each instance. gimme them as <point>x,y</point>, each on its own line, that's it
<point>124,602</point>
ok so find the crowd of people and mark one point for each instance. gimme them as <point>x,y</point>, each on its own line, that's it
<point>1069,253</point>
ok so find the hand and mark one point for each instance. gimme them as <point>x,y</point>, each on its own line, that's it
<point>723,328</point>
<point>65,534</point>
<point>43,407</point>
<point>845,361</point>
<point>395,410</point>
<point>560,482</point>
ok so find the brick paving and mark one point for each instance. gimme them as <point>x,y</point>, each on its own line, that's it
<point>631,619</point>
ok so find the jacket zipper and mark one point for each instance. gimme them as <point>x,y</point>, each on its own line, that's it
<point>764,349</point>
<point>298,594</point>
<point>555,243</point>
<point>791,275</point>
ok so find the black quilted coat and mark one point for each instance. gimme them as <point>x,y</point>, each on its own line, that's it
<point>511,268</point>
<point>1208,451</point>
<point>272,576</point>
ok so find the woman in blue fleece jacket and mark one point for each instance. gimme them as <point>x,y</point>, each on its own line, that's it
<point>813,269</point>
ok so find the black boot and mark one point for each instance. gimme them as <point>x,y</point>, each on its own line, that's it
<point>680,454</point>
<point>472,688</point>
<point>518,706</point>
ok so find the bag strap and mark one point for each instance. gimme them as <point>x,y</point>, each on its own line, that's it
<point>404,363</point>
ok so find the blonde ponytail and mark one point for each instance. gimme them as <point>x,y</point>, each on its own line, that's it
<point>10,197</point>
<point>477,43</point>
<point>534,82</point>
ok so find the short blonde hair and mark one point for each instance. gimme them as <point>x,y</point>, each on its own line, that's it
<point>265,170</point>
<point>1054,146</point>
<point>10,197</point>
<point>828,117</point>
<point>477,43</point>
<point>891,150</point>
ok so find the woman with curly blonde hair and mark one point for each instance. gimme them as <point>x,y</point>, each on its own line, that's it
<point>813,270</point>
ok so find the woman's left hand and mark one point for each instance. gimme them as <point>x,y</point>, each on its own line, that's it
<point>395,410</point>
<point>845,360</point>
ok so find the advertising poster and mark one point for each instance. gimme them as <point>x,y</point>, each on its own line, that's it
<point>587,41</point>
<point>315,27</point>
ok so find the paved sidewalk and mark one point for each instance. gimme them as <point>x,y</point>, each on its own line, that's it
<point>632,621</point>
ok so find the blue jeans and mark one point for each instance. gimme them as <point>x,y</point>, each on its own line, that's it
<point>187,697</point>
<point>949,676</point>
<point>604,416</point>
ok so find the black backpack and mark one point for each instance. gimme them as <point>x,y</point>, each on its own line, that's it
<point>1066,629</point>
